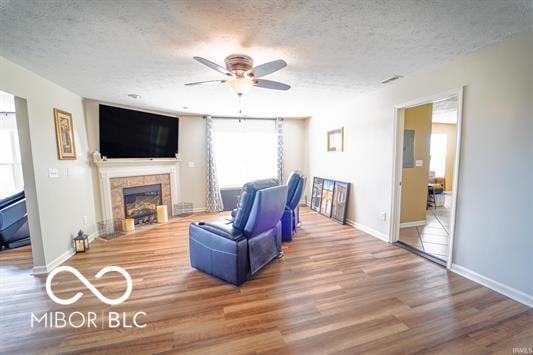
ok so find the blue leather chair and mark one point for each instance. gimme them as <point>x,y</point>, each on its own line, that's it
<point>260,184</point>
<point>235,250</point>
<point>14,231</point>
<point>290,218</point>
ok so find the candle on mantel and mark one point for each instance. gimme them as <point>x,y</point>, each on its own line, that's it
<point>162,214</point>
<point>128,224</point>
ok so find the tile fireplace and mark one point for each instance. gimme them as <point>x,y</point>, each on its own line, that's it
<point>117,175</point>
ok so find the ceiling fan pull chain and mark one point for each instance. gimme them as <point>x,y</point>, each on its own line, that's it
<point>240,105</point>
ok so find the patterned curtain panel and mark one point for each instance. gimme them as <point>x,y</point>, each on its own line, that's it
<point>279,134</point>
<point>214,199</point>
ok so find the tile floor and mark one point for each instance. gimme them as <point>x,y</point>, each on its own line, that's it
<point>433,237</point>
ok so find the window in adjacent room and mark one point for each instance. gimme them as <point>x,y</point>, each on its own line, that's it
<point>10,166</point>
<point>438,154</point>
<point>244,150</point>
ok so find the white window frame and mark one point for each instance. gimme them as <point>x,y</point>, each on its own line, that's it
<point>434,159</point>
<point>15,164</point>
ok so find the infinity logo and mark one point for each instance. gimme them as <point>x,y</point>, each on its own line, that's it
<point>89,285</point>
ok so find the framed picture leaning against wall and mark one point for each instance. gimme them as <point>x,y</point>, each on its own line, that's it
<point>340,201</point>
<point>327,197</point>
<point>316,195</point>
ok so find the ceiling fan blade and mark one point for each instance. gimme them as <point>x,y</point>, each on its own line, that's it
<point>269,84</point>
<point>205,82</point>
<point>212,65</point>
<point>268,68</point>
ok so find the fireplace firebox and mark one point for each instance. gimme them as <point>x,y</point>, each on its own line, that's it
<point>140,202</point>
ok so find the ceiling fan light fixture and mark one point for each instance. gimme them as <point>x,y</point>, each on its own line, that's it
<point>243,75</point>
<point>240,85</point>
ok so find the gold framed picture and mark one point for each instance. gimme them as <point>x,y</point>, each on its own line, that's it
<point>66,147</point>
<point>336,140</point>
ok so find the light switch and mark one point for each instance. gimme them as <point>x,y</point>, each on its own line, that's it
<point>53,173</point>
<point>190,164</point>
<point>419,163</point>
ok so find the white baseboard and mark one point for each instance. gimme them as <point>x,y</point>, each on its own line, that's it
<point>45,269</point>
<point>92,236</point>
<point>413,224</point>
<point>199,209</point>
<point>494,285</point>
<point>371,231</point>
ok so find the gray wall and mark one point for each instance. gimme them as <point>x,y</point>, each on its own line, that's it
<point>65,202</point>
<point>192,148</point>
<point>494,237</point>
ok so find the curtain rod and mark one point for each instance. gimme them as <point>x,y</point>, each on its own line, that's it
<point>242,118</point>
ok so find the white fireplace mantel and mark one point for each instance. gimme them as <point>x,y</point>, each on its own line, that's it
<point>115,168</point>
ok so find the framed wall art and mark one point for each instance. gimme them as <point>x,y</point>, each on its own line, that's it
<point>66,147</point>
<point>316,195</point>
<point>340,201</point>
<point>330,198</point>
<point>327,197</point>
<point>336,140</point>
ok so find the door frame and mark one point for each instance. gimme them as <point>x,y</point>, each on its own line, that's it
<point>399,118</point>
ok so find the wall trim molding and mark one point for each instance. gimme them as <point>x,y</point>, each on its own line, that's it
<point>376,234</point>
<point>413,224</point>
<point>494,285</point>
<point>45,269</point>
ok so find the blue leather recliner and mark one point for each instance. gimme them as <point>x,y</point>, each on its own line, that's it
<point>290,218</point>
<point>14,231</point>
<point>235,250</point>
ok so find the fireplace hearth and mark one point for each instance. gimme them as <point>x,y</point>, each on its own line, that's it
<point>140,202</point>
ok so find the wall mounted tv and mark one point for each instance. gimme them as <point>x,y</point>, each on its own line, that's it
<point>134,134</point>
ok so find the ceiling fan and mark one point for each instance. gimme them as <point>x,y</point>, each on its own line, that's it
<point>242,74</point>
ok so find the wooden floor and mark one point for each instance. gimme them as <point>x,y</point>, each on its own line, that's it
<point>337,290</point>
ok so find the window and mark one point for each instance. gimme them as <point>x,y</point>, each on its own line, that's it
<point>10,166</point>
<point>244,151</point>
<point>438,154</point>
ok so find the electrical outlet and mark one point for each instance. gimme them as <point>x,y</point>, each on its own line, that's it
<point>53,173</point>
<point>383,216</point>
<point>190,164</point>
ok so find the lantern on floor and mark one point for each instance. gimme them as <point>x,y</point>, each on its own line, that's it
<point>81,242</point>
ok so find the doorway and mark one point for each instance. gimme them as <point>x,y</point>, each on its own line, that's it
<point>427,141</point>
<point>14,230</point>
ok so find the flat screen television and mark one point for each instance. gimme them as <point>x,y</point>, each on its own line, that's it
<point>134,134</point>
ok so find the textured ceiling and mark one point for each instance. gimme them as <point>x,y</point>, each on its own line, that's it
<point>445,111</point>
<point>107,49</point>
